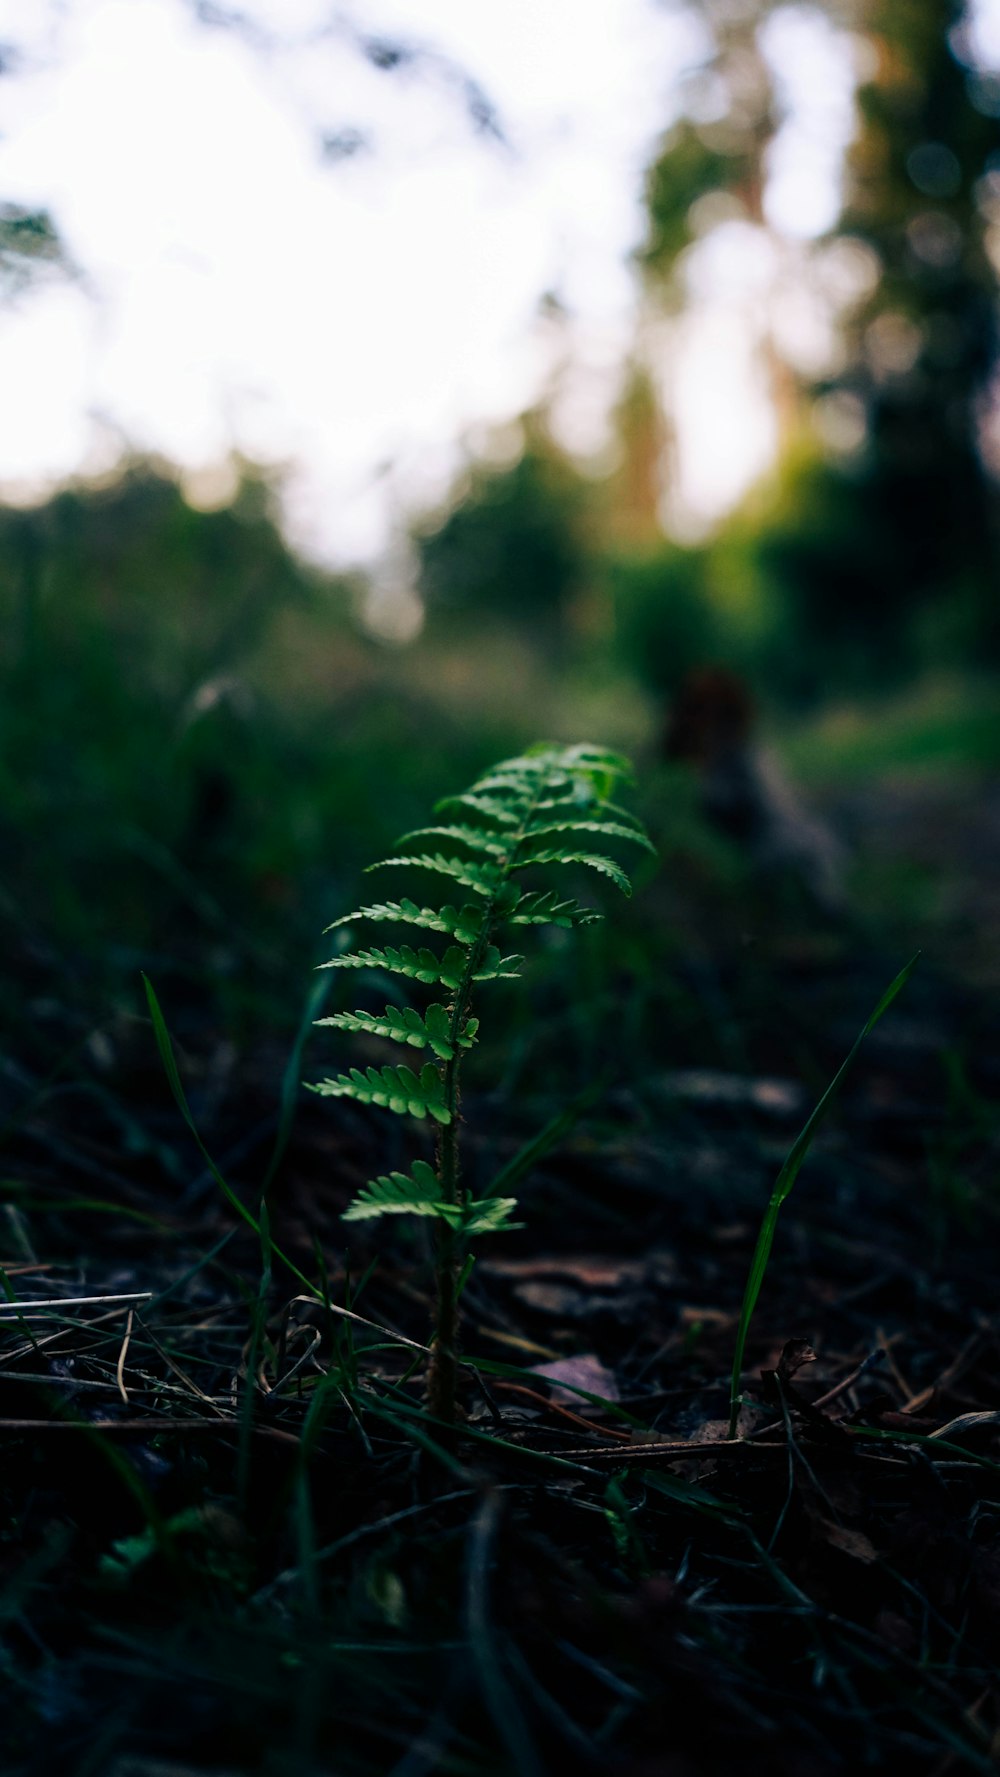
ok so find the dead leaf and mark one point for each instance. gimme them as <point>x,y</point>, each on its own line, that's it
<point>795,1353</point>
<point>849,1542</point>
<point>585,1372</point>
<point>559,1300</point>
<point>581,1270</point>
<point>896,1632</point>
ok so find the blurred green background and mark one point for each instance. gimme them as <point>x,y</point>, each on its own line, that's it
<point>202,741</point>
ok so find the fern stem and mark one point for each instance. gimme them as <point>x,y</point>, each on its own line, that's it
<point>443,1374</point>
<point>442,1378</point>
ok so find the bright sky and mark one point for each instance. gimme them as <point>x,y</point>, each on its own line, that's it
<point>356,320</point>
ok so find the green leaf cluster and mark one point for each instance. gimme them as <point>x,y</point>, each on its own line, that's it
<point>543,809</point>
<point>418,1193</point>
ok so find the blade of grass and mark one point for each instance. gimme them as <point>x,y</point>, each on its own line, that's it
<point>180,1283</point>
<point>165,1048</point>
<point>315,1001</point>
<point>546,1139</point>
<point>14,1306</point>
<point>59,1302</point>
<point>30,1198</point>
<point>783,1185</point>
<point>517,1373</point>
<point>258,1326</point>
<point>929,1441</point>
<point>498,1694</point>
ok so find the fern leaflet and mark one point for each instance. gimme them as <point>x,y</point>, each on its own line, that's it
<point>591,860</point>
<point>614,830</point>
<point>491,844</point>
<point>544,908</point>
<point>475,876</point>
<point>401,1024</point>
<point>418,1193</point>
<point>415,1193</point>
<point>398,1089</point>
<point>491,806</point>
<point>462,923</point>
<point>422,965</point>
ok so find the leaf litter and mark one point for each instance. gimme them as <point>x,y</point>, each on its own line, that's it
<point>235,1537</point>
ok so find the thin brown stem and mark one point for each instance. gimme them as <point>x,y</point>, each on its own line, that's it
<point>442,1377</point>
<point>443,1374</point>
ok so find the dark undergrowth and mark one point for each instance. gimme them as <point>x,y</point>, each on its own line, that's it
<point>233,1540</point>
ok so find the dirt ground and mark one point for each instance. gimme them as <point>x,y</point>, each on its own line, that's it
<point>233,1543</point>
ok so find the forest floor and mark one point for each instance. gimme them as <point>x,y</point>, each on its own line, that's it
<point>201,1573</point>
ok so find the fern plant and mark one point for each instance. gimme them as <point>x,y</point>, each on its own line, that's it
<point>548,808</point>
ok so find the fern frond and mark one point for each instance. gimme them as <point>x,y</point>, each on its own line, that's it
<point>396,1089</point>
<point>522,814</point>
<point>585,757</point>
<point>554,768</point>
<point>401,1024</point>
<point>614,830</point>
<point>582,800</point>
<point>591,860</point>
<point>618,813</point>
<point>490,806</point>
<point>528,772</point>
<point>480,877</point>
<point>416,1193</point>
<point>448,970</point>
<point>416,965</point>
<point>463,923</point>
<point>544,908</point>
<point>490,1215</point>
<point>495,967</point>
<point>474,837</point>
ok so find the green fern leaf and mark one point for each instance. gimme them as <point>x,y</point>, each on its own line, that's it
<point>462,923</point>
<point>481,877</point>
<point>474,837</point>
<point>416,965</point>
<point>491,1215</point>
<point>417,1194</point>
<point>585,758</point>
<point>437,1024</point>
<point>396,1089</point>
<point>401,1024</point>
<point>581,800</point>
<point>515,783</point>
<point>467,923</point>
<point>592,861</point>
<point>448,970</point>
<point>495,967</point>
<point>618,813</point>
<point>544,908</point>
<point>614,829</point>
<point>489,806</point>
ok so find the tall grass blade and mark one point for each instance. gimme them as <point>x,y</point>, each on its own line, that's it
<point>315,1001</point>
<point>12,1302</point>
<point>783,1185</point>
<point>166,1050</point>
<point>547,1138</point>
